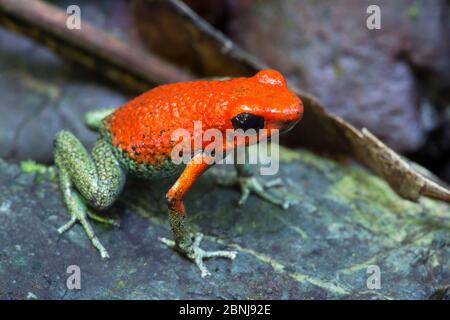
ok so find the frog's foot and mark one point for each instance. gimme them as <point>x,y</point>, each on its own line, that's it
<point>196,254</point>
<point>81,214</point>
<point>250,184</point>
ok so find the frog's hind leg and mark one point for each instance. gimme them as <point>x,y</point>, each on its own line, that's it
<point>95,180</point>
<point>93,119</point>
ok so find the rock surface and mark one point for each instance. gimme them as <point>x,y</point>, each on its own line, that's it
<point>42,94</point>
<point>345,219</point>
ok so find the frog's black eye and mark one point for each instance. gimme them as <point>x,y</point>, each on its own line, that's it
<point>247,121</point>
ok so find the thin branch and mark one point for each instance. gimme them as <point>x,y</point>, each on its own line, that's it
<point>89,47</point>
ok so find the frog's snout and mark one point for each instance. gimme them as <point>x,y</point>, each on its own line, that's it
<point>291,116</point>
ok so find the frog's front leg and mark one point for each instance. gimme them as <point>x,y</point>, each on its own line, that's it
<point>184,241</point>
<point>248,183</point>
<point>96,180</point>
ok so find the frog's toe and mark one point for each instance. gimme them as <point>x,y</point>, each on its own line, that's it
<point>67,225</point>
<point>104,220</point>
<point>196,254</point>
<point>250,185</point>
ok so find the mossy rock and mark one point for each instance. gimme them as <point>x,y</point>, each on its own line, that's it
<point>343,220</point>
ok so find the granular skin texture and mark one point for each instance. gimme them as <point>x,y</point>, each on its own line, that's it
<point>142,128</point>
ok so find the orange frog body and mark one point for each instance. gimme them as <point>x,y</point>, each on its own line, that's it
<point>138,138</point>
<point>142,128</point>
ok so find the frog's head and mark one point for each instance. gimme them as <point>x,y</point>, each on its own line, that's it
<point>265,102</point>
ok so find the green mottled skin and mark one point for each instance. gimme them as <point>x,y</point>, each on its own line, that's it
<point>165,168</point>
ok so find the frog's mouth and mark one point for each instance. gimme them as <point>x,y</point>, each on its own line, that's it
<point>288,125</point>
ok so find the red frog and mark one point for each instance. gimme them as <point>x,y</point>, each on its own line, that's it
<point>137,139</point>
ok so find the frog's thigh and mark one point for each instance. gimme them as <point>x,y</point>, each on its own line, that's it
<point>99,178</point>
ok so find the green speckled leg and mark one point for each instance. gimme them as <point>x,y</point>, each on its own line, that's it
<point>96,180</point>
<point>248,184</point>
<point>91,214</point>
<point>93,119</point>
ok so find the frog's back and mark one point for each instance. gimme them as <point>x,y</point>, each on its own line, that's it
<point>141,129</point>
